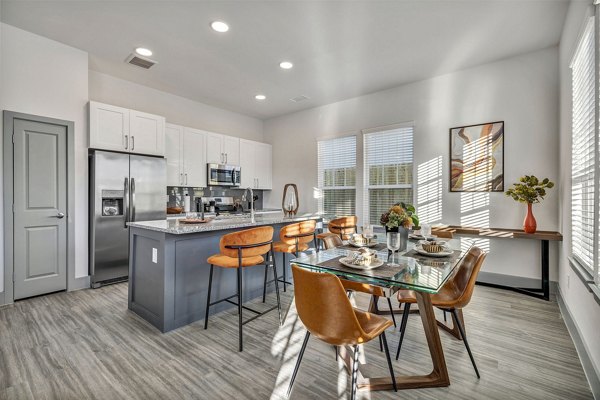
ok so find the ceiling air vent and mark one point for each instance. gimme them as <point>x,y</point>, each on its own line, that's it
<point>139,61</point>
<point>298,99</point>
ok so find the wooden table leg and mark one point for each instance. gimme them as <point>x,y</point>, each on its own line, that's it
<point>438,376</point>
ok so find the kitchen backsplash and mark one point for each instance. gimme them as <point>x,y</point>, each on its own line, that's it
<point>177,194</point>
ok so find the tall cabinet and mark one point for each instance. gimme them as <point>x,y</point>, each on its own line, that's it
<point>256,165</point>
<point>185,154</point>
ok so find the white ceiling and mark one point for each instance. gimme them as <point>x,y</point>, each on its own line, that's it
<point>340,49</point>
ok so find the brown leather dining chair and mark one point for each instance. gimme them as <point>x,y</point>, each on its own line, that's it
<point>452,297</point>
<point>326,313</point>
<point>240,250</point>
<point>333,241</point>
<point>343,227</point>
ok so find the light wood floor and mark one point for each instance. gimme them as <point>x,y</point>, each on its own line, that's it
<point>86,344</point>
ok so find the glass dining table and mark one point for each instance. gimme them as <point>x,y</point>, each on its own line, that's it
<point>409,270</point>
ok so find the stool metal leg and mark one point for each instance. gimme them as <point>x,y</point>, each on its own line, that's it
<point>210,275</point>
<point>284,273</point>
<point>239,284</point>
<point>265,284</point>
<point>276,286</point>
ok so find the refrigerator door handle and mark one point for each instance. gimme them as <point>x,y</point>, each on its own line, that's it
<point>126,197</point>
<point>132,199</point>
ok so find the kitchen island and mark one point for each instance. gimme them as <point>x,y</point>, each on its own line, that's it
<point>168,272</point>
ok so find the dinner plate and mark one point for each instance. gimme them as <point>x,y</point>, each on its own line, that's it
<point>347,261</point>
<point>444,253</point>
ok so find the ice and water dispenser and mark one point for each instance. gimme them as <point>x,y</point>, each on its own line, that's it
<point>112,203</point>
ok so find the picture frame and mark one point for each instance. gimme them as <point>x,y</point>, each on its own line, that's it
<point>477,158</point>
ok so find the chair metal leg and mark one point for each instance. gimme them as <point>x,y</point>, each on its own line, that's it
<point>210,275</point>
<point>389,360</point>
<point>276,278</point>
<point>298,363</point>
<point>445,320</point>
<point>462,333</point>
<point>336,352</point>
<point>239,299</point>
<point>392,311</point>
<point>380,344</point>
<point>354,372</point>
<point>403,324</point>
<point>284,274</point>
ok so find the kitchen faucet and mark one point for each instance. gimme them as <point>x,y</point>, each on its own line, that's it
<point>251,202</point>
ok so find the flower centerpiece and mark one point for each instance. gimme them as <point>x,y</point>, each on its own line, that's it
<point>399,215</point>
<point>530,189</point>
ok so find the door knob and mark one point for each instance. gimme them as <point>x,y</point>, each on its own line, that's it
<point>60,215</point>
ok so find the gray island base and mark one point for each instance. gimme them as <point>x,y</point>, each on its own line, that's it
<point>168,272</point>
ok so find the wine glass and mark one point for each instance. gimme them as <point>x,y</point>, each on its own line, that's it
<point>393,245</point>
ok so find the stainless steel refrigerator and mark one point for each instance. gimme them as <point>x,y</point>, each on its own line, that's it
<point>123,188</point>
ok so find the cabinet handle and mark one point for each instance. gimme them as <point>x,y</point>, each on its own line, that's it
<point>186,179</point>
<point>126,142</point>
<point>132,143</point>
<point>181,179</point>
<point>226,158</point>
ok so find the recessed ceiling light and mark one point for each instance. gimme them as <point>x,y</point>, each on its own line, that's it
<point>286,65</point>
<point>219,26</point>
<point>142,51</point>
<point>260,97</point>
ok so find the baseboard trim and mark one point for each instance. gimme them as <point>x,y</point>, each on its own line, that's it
<point>514,281</point>
<point>79,283</point>
<point>592,375</point>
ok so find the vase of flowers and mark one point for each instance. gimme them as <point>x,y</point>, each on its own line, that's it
<point>529,190</point>
<point>400,218</point>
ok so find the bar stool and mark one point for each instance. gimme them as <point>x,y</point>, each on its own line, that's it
<point>293,238</point>
<point>342,227</point>
<point>240,250</point>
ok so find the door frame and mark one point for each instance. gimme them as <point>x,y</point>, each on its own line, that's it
<point>7,297</point>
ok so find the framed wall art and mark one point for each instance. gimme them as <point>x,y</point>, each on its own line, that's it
<point>477,158</point>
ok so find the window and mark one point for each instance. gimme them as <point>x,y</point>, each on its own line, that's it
<point>583,190</point>
<point>337,176</point>
<point>388,170</point>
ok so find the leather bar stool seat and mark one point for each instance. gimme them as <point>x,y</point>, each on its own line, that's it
<point>452,297</point>
<point>241,250</point>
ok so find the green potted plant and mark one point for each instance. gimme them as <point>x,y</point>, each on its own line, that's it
<point>400,218</point>
<point>529,190</point>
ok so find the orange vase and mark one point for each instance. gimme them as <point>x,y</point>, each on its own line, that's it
<point>529,225</point>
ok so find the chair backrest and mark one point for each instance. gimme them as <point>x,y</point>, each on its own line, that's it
<point>343,225</point>
<point>287,233</point>
<point>248,237</point>
<point>324,308</point>
<point>332,241</point>
<point>466,276</point>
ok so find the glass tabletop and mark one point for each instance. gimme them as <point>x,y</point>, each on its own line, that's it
<point>412,270</point>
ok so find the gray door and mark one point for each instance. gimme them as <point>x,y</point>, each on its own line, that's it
<point>40,207</point>
<point>148,185</point>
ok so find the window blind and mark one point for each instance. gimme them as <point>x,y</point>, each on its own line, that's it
<point>582,150</point>
<point>337,176</point>
<point>388,170</point>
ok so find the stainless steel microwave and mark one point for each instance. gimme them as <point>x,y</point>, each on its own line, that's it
<point>224,175</point>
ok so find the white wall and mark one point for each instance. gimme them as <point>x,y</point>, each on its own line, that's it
<point>46,78</point>
<point>522,91</point>
<point>178,110</point>
<point>579,301</point>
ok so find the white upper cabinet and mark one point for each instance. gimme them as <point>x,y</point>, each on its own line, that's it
<point>255,161</point>
<point>147,133</point>
<point>222,149</point>
<point>194,158</point>
<point>185,153</point>
<point>121,129</point>
<point>109,127</point>
<point>174,154</point>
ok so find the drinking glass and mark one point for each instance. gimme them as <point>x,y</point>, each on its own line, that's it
<point>393,245</point>
<point>368,233</point>
<point>426,230</point>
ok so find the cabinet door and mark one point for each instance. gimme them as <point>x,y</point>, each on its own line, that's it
<point>247,163</point>
<point>194,159</point>
<point>109,127</point>
<point>263,166</point>
<point>147,133</point>
<point>214,148</point>
<point>173,153</point>
<point>231,148</point>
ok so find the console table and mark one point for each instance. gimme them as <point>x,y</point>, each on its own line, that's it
<point>497,233</point>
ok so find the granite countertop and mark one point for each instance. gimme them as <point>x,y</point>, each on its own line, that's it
<point>172,226</point>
